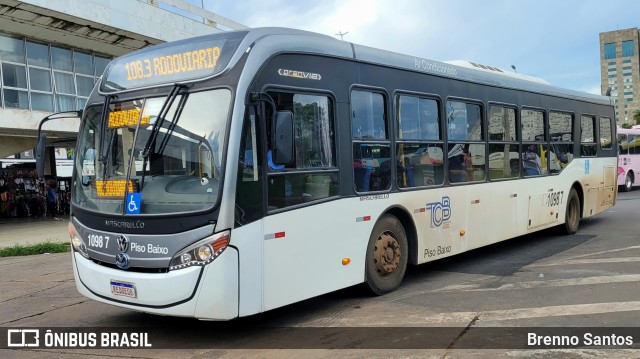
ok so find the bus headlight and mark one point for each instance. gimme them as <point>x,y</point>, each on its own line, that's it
<point>76,242</point>
<point>202,252</point>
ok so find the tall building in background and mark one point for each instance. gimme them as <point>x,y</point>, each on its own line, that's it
<point>620,71</point>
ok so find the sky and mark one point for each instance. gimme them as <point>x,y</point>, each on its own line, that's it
<point>556,40</point>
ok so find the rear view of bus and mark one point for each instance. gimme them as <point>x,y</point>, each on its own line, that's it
<point>148,182</point>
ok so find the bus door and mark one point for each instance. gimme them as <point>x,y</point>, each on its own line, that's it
<point>301,174</point>
<point>607,138</point>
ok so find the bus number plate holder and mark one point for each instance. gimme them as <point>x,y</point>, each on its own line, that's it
<point>124,289</point>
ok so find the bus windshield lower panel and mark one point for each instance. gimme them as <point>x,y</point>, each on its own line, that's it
<point>183,169</point>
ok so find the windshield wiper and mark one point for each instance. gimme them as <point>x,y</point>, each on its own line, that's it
<point>104,153</point>
<point>164,110</point>
<point>173,124</point>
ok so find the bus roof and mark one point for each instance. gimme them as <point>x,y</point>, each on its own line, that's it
<point>628,131</point>
<point>264,42</point>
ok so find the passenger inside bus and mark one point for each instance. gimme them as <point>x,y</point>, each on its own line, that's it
<point>363,168</point>
<point>406,170</point>
<point>531,162</point>
<point>460,165</point>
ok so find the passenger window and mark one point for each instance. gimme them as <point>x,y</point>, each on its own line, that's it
<point>560,127</point>
<point>502,124</point>
<point>587,136</point>
<point>312,174</point>
<point>372,168</point>
<point>561,135</point>
<point>418,119</point>
<point>504,158</point>
<point>368,116</point>
<point>371,146</point>
<point>465,152</point>
<point>466,162</point>
<point>623,144</point>
<point>419,148</point>
<point>632,146</point>
<point>532,125</point>
<point>534,148</point>
<point>464,121</point>
<point>606,133</point>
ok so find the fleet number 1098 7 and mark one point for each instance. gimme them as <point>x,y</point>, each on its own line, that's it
<point>97,241</point>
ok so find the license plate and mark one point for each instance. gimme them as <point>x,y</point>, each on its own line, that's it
<point>123,289</point>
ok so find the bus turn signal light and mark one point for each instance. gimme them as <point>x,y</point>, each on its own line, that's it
<point>346,261</point>
<point>462,233</point>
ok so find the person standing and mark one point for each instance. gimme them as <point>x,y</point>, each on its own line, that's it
<point>51,198</point>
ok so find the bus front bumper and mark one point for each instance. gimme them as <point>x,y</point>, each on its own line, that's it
<point>209,292</point>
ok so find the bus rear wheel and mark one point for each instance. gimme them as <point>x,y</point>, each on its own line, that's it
<point>572,214</point>
<point>387,256</point>
<point>628,182</point>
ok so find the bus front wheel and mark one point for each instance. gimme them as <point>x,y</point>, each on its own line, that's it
<point>387,256</point>
<point>572,214</point>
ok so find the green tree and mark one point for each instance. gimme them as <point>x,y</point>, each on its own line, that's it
<point>626,125</point>
<point>636,117</point>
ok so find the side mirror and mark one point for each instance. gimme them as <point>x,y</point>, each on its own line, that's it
<point>282,138</point>
<point>40,154</point>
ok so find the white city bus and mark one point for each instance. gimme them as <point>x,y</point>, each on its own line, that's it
<point>231,174</point>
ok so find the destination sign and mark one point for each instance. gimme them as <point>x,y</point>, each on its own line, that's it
<point>175,63</point>
<point>172,62</point>
<point>123,118</point>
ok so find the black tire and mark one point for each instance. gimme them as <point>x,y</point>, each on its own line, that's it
<point>572,213</point>
<point>387,256</point>
<point>628,182</point>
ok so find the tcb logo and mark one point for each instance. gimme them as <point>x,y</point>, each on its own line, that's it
<point>440,211</point>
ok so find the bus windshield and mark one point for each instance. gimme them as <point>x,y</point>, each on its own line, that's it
<point>180,172</point>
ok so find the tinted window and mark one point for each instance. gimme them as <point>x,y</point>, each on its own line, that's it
<point>418,119</point>
<point>464,121</point>
<point>587,136</point>
<point>502,123</point>
<point>532,125</point>
<point>368,115</point>
<point>606,133</point>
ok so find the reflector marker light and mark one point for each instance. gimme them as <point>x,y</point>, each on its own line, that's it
<point>274,235</point>
<point>420,210</point>
<point>363,219</point>
<point>476,201</point>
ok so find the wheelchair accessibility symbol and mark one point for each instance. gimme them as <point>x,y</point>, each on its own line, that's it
<point>133,203</point>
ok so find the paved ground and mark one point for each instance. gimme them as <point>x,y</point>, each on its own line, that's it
<point>591,279</point>
<point>32,230</point>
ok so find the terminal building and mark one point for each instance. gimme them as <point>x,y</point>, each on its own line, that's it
<point>52,52</point>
